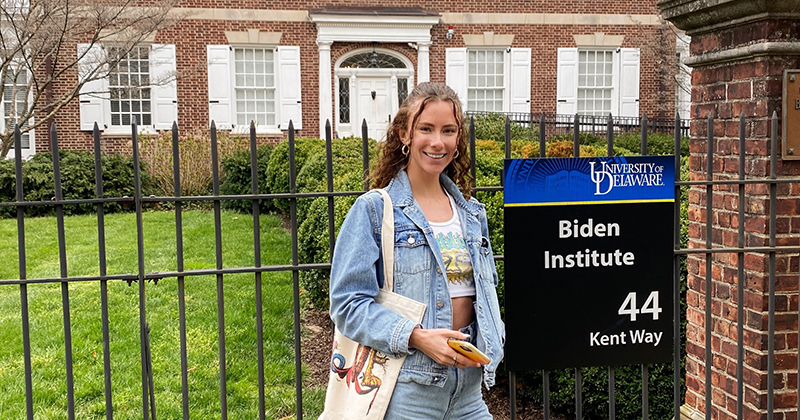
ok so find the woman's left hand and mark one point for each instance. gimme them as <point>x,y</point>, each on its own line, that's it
<point>434,344</point>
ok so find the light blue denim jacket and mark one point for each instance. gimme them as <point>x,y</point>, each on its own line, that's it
<point>420,274</point>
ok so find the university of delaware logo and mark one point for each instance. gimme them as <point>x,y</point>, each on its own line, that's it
<point>600,178</point>
<point>611,175</point>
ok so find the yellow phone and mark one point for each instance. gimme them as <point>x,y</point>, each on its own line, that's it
<point>467,349</point>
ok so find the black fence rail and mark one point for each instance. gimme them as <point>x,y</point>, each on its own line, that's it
<point>560,124</point>
<point>181,273</point>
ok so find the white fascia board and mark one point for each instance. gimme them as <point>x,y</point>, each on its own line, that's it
<point>349,28</point>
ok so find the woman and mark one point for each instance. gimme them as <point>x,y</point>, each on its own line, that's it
<point>442,258</point>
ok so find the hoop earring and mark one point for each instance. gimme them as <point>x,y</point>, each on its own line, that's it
<point>404,150</point>
<point>457,154</point>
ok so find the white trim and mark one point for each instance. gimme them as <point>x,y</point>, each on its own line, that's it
<point>423,62</point>
<point>550,19</point>
<point>345,129</point>
<point>267,15</point>
<point>372,28</point>
<point>325,94</point>
<point>364,71</point>
<point>365,28</point>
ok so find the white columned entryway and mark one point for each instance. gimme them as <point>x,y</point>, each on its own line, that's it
<point>342,24</point>
<point>325,92</point>
<point>423,62</point>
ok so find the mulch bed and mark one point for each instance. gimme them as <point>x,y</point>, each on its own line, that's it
<point>316,350</point>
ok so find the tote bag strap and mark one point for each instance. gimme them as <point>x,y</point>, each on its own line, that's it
<point>387,240</point>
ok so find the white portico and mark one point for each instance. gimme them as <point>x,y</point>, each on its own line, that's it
<point>370,82</point>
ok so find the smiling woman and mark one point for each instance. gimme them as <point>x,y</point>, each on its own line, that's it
<point>440,243</point>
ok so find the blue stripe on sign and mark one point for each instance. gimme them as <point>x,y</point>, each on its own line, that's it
<point>595,180</point>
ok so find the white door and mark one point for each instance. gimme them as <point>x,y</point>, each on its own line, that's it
<point>374,105</point>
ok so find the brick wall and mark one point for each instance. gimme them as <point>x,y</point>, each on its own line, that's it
<point>191,37</point>
<point>752,86</point>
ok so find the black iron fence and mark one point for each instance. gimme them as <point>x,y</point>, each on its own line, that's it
<point>141,277</point>
<point>560,124</point>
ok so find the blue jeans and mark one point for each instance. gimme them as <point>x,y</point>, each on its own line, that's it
<point>459,398</point>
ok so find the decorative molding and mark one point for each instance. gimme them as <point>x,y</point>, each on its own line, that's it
<point>747,52</point>
<point>373,28</point>
<point>690,413</point>
<point>449,18</point>
<point>703,16</point>
<point>598,39</point>
<point>488,39</point>
<point>253,36</point>
<point>239,14</point>
<point>124,36</point>
<point>548,19</point>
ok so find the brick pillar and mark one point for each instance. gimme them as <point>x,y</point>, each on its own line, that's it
<point>739,50</point>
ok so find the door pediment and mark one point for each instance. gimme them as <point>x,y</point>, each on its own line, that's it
<point>347,24</point>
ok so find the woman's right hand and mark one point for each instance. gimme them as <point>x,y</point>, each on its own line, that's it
<point>434,344</point>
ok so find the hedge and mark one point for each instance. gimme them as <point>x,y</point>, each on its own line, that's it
<point>237,179</point>
<point>77,182</point>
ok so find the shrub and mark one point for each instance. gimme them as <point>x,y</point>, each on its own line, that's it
<point>195,160</point>
<point>77,181</point>
<point>346,157</point>
<point>278,174</point>
<point>314,239</point>
<point>492,126</point>
<point>238,180</point>
<point>657,143</point>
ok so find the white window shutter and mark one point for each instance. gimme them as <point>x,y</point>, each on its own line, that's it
<point>456,72</point>
<point>567,81</point>
<point>93,95</point>
<point>289,89</point>
<point>165,90</point>
<point>520,83</point>
<point>220,90</point>
<point>629,82</point>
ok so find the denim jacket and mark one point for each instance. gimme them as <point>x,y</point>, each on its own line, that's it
<point>420,274</point>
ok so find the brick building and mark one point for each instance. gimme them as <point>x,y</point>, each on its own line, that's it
<point>312,61</point>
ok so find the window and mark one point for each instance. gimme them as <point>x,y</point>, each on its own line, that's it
<point>595,74</point>
<point>402,91</point>
<point>596,81</point>
<point>254,83</point>
<point>128,84</point>
<point>344,100</point>
<point>121,86</point>
<point>491,79</point>
<point>15,93</point>
<point>486,84</point>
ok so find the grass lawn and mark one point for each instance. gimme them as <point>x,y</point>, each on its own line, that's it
<point>47,328</point>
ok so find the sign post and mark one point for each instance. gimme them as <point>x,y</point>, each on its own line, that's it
<point>588,261</point>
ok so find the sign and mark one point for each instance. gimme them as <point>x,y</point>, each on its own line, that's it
<point>588,261</point>
<point>791,115</point>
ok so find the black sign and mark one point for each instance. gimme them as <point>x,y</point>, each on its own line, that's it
<point>588,274</point>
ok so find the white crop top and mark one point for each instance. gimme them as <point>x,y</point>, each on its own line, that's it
<point>449,237</point>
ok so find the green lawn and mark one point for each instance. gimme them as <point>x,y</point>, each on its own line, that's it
<point>47,331</point>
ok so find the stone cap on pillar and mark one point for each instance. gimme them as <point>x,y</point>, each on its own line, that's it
<point>701,16</point>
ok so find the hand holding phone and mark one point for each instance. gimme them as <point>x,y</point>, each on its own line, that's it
<point>467,349</point>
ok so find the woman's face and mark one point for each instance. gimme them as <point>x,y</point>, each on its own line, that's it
<point>433,141</point>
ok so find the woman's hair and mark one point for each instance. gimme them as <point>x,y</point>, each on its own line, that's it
<point>391,159</point>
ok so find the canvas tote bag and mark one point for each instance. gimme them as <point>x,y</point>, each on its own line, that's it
<point>362,379</point>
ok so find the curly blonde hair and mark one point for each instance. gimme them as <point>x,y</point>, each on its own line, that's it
<point>391,159</point>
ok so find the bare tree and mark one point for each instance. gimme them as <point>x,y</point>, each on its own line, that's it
<point>39,59</point>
